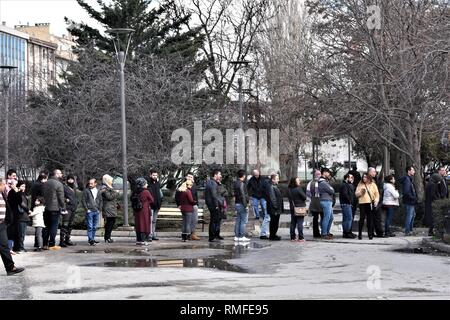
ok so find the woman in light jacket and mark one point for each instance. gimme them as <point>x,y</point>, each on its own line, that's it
<point>368,199</point>
<point>390,203</point>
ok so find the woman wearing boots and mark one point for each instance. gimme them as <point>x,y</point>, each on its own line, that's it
<point>187,203</point>
<point>368,198</point>
<point>109,206</point>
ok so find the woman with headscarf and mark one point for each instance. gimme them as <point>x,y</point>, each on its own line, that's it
<point>109,206</point>
<point>431,194</point>
<point>141,199</point>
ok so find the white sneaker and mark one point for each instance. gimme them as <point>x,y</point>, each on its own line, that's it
<point>236,239</point>
<point>244,239</point>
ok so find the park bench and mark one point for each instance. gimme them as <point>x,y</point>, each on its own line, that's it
<point>174,214</point>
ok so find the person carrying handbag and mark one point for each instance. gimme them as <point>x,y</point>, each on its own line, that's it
<point>298,209</point>
<point>368,199</point>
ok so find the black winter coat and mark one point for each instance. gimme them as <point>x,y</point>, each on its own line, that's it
<point>347,193</point>
<point>23,209</point>
<point>213,198</point>
<point>274,198</point>
<point>155,190</point>
<point>255,187</point>
<point>297,198</point>
<point>71,198</point>
<point>109,200</point>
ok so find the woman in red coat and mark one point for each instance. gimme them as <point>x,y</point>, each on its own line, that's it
<point>187,203</point>
<point>142,211</point>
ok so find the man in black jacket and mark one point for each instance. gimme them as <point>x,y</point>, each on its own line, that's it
<point>347,199</point>
<point>255,190</point>
<point>155,189</point>
<point>194,218</point>
<point>5,253</point>
<point>67,220</point>
<point>55,205</point>
<point>275,205</point>
<point>214,201</point>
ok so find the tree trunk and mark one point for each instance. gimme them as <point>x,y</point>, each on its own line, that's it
<point>417,162</point>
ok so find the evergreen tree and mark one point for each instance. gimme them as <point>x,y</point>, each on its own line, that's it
<point>158,28</point>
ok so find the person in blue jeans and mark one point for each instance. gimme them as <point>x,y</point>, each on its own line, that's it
<point>327,196</point>
<point>347,199</point>
<point>390,203</point>
<point>241,203</point>
<point>255,189</point>
<point>409,199</point>
<point>92,203</point>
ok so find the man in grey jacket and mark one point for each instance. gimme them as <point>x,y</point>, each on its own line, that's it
<point>92,203</point>
<point>55,205</point>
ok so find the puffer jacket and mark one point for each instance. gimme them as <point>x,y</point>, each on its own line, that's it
<point>390,195</point>
<point>109,201</point>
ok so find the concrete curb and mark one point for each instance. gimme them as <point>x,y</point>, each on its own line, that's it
<point>436,245</point>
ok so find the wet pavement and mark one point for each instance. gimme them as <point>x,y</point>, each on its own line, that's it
<point>395,268</point>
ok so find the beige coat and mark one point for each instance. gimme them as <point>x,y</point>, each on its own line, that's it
<point>363,195</point>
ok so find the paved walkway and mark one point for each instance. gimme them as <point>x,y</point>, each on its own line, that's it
<point>169,269</point>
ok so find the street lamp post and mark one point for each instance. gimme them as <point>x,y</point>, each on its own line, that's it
<point>6,82</point>
<point>122,37</point>
<point>240,81</point>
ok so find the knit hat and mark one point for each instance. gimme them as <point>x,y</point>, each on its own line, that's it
<point>107,180</point>
<point>140,183</point>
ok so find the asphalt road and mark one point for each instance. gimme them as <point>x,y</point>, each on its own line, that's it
<point>169,269</point>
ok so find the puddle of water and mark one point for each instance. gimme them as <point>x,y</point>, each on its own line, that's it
<point>423,250</point>
<point>102,288</point>
<point>208,263</point>
<point>145,251</point>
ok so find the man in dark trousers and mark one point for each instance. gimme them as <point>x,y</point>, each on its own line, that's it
<point>55,205</point>
<point>5,253</point>
<point>72,204</point>
<point>37,189</point>
<point>155,189</point>
<point>214,201</point>
<point>347,200</point>
<point>275,205</point>
<point>194,220</point>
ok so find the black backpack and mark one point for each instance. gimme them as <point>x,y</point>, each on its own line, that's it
<point>136,203</point>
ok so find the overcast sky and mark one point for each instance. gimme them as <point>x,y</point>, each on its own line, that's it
<point>15,12</point>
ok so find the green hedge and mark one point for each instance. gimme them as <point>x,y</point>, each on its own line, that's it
<point>441,209</point>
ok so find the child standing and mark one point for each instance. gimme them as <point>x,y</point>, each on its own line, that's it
<point>38,222</point>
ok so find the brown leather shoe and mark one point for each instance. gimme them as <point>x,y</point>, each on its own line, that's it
<point>195,237</point>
